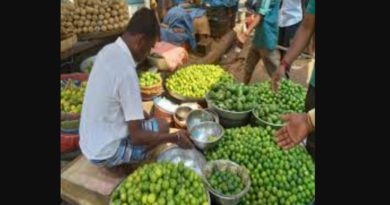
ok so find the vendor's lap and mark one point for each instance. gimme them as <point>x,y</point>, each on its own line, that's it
<point>127,153</point>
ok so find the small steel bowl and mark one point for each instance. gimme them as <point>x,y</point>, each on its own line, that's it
<point>226,165</point>
<point>182,112</point>
<point>199,134</point>
<point>198,116</point>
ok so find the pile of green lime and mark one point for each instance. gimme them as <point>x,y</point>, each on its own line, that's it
<point>148,79</point>
<point>226,182</point>
<point>272,105</point>
<point>234,97</point>
<point>278,176</point>
<point>195,81</point>
<point>72,97</point>
<point>161,183</point>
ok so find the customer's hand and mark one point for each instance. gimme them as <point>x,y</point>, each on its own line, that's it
<point>184,139</point>
<point>277,76</point>
<point>295,131</point>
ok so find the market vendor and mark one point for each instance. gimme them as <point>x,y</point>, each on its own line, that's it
<point>295,132</point>
<point>265,40</point>
<point>113,128</point>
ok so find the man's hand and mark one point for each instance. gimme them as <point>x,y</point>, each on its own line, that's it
<point>184,139</point>
<point>277,76</point>
<point>295,131</point>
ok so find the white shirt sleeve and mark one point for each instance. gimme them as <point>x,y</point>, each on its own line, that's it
<point>130,98</point>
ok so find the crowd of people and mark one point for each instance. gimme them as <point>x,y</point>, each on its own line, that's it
<point>284,22</point>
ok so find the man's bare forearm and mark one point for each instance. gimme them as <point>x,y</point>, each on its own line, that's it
<point>139,136</point>
<point>148,138</point>
<point>255,23</point>
<point>301,39</point>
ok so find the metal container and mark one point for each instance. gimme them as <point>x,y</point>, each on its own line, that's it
<point>258,121</point>
<point>198,116</point>
<point>181,115</point>
<point>230,115</point>
<point>228,123</point>
<point>191,158</point>
<point>172,153</point>
<point>182,112</point>
<point>215,114</point>
<point>226,165</point>
<point>199,134</point>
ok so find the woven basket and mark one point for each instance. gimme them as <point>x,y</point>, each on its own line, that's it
<point>153,89</point>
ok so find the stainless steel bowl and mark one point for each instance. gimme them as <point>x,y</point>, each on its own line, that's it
<point>258,121</point>
<point>175,154</point>
<point>215,114</point>
<point>199,134</point>
<point>226,165</point>
<point>191,158</point>
<point>198,116</point>
<point>226,114</point>
<point>182,112</point>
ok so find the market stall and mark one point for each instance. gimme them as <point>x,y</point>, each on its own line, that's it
<point>211,98</point>
<point>235,159</point>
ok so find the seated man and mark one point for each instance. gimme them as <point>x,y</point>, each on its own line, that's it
<point>183,22</point>
<point>113,128</point>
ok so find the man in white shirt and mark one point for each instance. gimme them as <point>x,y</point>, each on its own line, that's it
<point>113,129</point>
<point>290,17</point>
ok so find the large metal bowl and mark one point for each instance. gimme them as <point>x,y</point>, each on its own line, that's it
<point>258,121</point>
<point>199,134</point>
<point>171,153</point>
<point>226,114</point>
<point>198,116</point>
<point>191,158</point>
<point>226,165</point>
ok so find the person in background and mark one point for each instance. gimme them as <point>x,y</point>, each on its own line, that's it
<point>310,49</point>
<point>290,17</point>
<point>114,129</point>
<point>296,129</point>
<point>265,24</point>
